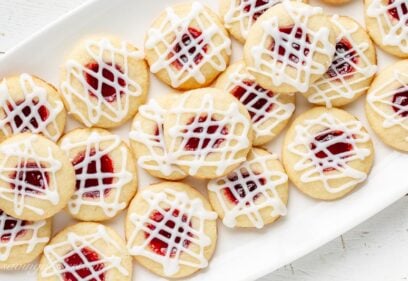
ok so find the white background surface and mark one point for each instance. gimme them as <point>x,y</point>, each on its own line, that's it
<point>376,250</point>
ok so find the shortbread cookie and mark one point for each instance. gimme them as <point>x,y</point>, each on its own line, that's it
<point>240,15</point>
<point>208,132</point>
<point>29,104</point>
<point>327,153</point>
<point>86,251</point>
<point>147,140</point>
<point>290,47</point>
<point>103,81</point>
<point>336,2</point>
<point>106,178</point>
<point>187,46</point>
<point>352,69</point>
<point>387,105</point>
<point>36,178</point>
<point>269,111</point>
<point>21,241</point>
<point>254,194</point>
<point>387,23</point>
<point>171,229</point>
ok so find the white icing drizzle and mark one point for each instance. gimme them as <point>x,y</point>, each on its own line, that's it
<point>394,32</point>
<point>329,88</point>
<point>97,106</point>
<point>384,96</point>
<point>233,142</point>
<point>57,253</point>
<point>166,202</point>
<point>275,66</point>
<point>264,196</point>
<point>101,145</point>
<point>34,97</point>
<point>158,158</point>
<point>29,235</point>
<point>312,168</point>
<point>262,126</point>
<point>171,32</point>
<point>24,152</point>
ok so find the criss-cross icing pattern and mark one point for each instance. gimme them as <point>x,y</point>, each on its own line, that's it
<point>303,43</point>
<point>229,134</point>
<point>23,152</point>
<point>159,158</point>
<point>250,202</point>
<point>100,145</point>
<point>394,29</point>
<point>118,81</point>
<point>58,254</point>
<point>169,36</point>
<point>192,216</point>
<point>28,110</point>
<point>29,232</point>
<point>266,117</point>
<point>318,163</point>
<point>383,95</point>
<point>338,84</point>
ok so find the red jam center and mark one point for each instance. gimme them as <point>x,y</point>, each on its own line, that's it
<point>258,4</point>
<point>26,112</point>
<point>159,244</point>
<point>107,90</point>
<point>201,135</point>
<point>80,262</point>
<point>334,149</point>
<point>289,49</point>
<point>344,57</point>
<point>7,227</point>
<point>29,178</point>
<point>190,50</point>
<point>250,183</point>
<point>395,12</point>
<point>252,102</point>
<point>400,101</point>
<point>94,173</point>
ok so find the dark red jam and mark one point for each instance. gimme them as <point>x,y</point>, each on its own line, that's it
<point>395,12</point>
<point>7,226</point>
<point>85,265</point>
<point>26,113</point>
<point>344,59</point>
<point>30,178</point>
<point>251,184</point>
<point>400,102</point>
<point>260,5</point>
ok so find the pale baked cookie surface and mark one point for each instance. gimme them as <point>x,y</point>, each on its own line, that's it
<point>30,104</point>
<point>187,46</point>
<point>86,251</point>
<point>105,171</point>
<point>290,47</point>
<point>171,229</point>
<point>337,2</point>
<point>387,105</point>
<point>352,69</point>
<point>254,194</point>
<point>270,112</point>
<point>36,178</point>
<point>327,153</point>
<point>208,132</point>
<point>104,81</point>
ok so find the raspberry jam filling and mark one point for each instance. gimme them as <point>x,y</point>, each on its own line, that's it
<point>7,227</point>
<point>292,48</point>
<point>203,135</point>
<point>250,183</point>
<point>107,90</point>
<point>258,4</point>
<point>80,264</point>
<point>334,149</point>
<point>344,57</point>
<point>29,177</point>
<point>159,244</point>
<point>25,113</point>
<point>93,173</point>
<point>400,102</point>
<point>190,50</point>
<point>251,100</point>
<point>395,12</point>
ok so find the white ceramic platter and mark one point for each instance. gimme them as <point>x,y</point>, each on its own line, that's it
<point>241,254</point>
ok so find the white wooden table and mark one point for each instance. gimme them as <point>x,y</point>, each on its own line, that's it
<point>377,250</point>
